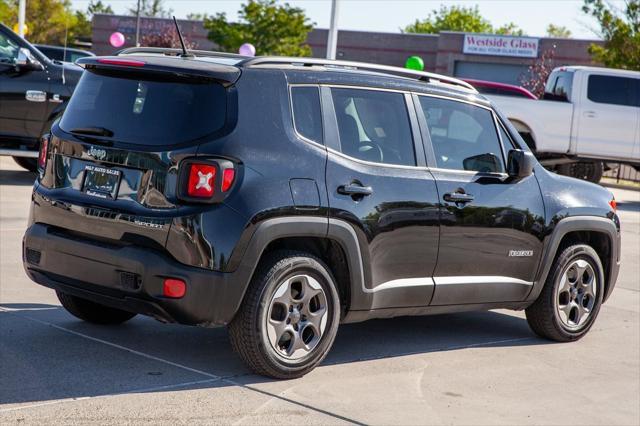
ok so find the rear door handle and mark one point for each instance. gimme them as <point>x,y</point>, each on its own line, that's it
<point>355,189</point>
<point>457,197</point>
<point>590,114</point>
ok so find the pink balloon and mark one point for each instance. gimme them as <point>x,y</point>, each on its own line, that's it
<point>247,49</point>
<point>116,39</point>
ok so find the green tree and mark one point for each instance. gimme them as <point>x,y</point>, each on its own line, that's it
<point>620,30</point>
<point>273,29</point>
<point>151,8</point>
<point>48,21</point>
<point>558,31</point>
<point>6,13</point>
<point>83,27</point>
<point>459,18</point>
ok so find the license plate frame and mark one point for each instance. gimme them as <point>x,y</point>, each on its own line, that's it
<point>101,182</point>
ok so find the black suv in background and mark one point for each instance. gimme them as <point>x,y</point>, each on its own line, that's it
<point>283,196</point>
<point>61,53</point>
<point>33,92</point>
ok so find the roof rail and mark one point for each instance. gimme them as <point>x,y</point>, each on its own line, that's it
<point>177,52</point>
<point>307,62</point>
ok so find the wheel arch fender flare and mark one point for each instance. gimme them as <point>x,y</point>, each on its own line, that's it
<point>273,229</point>
<point>570,224</point>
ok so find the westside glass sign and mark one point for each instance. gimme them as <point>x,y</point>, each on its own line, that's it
<point>494,45</point>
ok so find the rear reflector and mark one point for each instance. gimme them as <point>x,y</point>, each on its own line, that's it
<point>174,288</point>
<point>201,180</point>
<point>42,157</point>
<point>227,179</point>
<point>121,62</point>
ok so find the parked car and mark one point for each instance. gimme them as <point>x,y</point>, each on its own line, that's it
<point>588,116</point>
<point>61,53</point>
<point>284,196</point>
<point>34,91</point>
<point>502,89</point>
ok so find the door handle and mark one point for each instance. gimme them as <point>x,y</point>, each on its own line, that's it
<point>590,114</point>
<point>355,189</point>
<point>457,197</point>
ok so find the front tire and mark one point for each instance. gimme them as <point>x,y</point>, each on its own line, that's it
<point>93,312</point>
<point>289,317</point>
<point>571,298</point>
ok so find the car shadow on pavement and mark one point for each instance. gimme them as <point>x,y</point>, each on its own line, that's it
<point>16,177</point>
<point>48,355</point>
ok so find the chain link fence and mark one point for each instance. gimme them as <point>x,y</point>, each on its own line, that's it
<point>622,172</point>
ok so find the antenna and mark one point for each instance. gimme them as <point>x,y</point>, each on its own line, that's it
<point>185,54</point>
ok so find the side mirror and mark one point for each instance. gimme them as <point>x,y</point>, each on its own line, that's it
<point>520,163</point>
<point>27,62</point>
<point>485,163</point>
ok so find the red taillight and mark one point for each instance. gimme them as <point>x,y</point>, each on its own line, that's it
<point>174,288</point>
<point>227,179</point>
<point>42,157</point>
<point>202,179</point>
<point>121,62</point>
<point>613,204</point>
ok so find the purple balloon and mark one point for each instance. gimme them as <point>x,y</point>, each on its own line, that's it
<point>116,39</point>
<point>247,49</point>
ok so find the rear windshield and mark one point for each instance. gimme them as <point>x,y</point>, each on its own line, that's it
<point>144,111</point>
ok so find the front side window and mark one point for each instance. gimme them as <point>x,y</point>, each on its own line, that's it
<point>611,90</point>
<point>374,126</point>
<point>307,116</point>
<point>463,136</point>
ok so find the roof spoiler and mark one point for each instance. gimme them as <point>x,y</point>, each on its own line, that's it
<point>329,63</point>
<point>224,74</point>
<point>170,51</point>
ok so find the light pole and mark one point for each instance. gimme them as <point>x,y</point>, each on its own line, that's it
<point>138,25</point>
<point>22,7</point>
<point>332,41</point>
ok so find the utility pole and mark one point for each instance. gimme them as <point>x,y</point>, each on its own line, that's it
<point>138,25</point>
<point>332,41</point>
<point>22,8</point>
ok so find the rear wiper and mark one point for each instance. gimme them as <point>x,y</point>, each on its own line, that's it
<point>94,131</point>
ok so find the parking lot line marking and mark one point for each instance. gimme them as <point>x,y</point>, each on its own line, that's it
<point>3,308</point>
<point>115,345</point>
<point>213,377</point>
<point>82,398</point>
<point>291,401</point>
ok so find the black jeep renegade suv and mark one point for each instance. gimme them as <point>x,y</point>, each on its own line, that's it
<point>283,196</point>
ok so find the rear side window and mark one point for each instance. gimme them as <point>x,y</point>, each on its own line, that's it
<point>145,111</point>
<point>374,126</point>
<point>307,116</point>
<point>606,89</point>
<point>464,136</point>
<point>559,86</point>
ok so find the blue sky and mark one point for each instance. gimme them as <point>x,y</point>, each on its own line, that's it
<point>390,15</point>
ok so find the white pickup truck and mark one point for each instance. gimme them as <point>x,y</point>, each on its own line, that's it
<point>588,116</point>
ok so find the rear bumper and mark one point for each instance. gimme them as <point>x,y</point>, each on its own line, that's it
<point>128,278</point>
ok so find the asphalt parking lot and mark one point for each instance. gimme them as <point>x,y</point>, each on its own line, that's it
<point>476,368</point>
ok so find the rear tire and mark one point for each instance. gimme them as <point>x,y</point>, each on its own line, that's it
<point>27,163</point>
<point>586,170</point>
<point>571,298</point>
<point>289,317</point>
<point>93,312</point>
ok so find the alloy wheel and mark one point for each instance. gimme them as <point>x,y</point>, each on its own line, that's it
<point>576,294</point>
<point>297,317</point>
